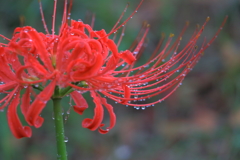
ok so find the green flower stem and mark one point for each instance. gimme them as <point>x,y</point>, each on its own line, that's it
<point>59,128</point>
<point>66,91</point>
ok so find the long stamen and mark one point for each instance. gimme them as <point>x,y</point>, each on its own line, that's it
<point>42,15</point>
<point>119,19</point>
<point>64,12</point>
<point>115,28</point>
<point>69,10</point>
<point>54,17</point>
<point>5,38</point>
<point>122,24</point>
<point>93,20</point>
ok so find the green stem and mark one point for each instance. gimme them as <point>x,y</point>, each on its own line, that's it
<point>59,128</point>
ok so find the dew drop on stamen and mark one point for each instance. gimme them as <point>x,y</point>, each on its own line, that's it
<point>68,112</point>
<point>137,108</point>
<point>66,118</point>
<point>135,52</point>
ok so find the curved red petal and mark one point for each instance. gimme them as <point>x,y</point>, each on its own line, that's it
<point>7,86</point>
<point>113,47</point>
<point>25,101</point>
<point>102,131</point>
<point>92,71</point>
<point>81,103</point>
<point>94,123</point>
<point>127,93</point>
<point>112,117</point>
<point>15,125</point>
<point>127,56</point>
<point>6,72</point>
<point>37,106</point>
<point>40,47</point>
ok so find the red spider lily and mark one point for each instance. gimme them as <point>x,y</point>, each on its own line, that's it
<point>80,59</point>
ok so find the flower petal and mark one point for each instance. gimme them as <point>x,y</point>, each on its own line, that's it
<point>112,117</point>
<point>92,71</point>
<point>6,73</point>
<point>7,86</point>
<point>15,125</point>
<point>127,93</point>
<point>41,48</point>
<point>37,106</point>
<point>94,123</point>
<point>127,56</point>
<point>25,101</point>
<point>113,47</point>
<point>81,103</point>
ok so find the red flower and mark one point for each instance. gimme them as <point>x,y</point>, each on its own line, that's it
<point>80,59</point>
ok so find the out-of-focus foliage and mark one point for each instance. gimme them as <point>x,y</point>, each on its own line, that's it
<point>200,121</point>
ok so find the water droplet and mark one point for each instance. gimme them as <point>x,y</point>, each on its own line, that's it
<point>68,112</point>
<point>135,52</point>
<point>65,139</point>
<point>53,116</point>
<point>137,108</point>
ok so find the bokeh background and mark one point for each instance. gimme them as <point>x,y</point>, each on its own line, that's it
<point>200,121</point>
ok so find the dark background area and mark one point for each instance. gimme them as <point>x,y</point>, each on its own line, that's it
<point>200,121</point>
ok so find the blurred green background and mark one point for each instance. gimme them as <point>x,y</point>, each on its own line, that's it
<point>200,121</point>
